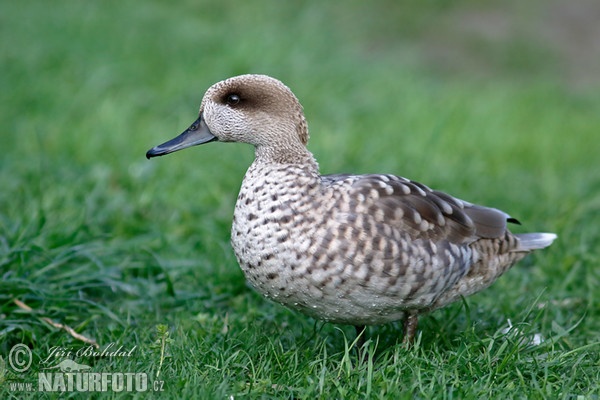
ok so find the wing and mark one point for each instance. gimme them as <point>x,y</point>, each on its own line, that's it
<point>417,210</point>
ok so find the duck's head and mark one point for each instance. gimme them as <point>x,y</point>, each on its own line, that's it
<point>254,109</point>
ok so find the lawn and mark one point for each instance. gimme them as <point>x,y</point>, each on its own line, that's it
<point>495,104</point>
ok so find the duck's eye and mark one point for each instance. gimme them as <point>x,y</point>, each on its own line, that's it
<point>233,99</point>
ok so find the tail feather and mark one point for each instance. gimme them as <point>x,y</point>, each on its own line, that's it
<point>534,241</point>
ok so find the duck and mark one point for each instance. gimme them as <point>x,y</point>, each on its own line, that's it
<point>347,249</point>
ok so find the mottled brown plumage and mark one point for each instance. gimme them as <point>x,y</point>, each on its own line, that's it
<point>350,249</point>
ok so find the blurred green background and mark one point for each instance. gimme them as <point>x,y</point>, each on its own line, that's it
<point>497,103</point>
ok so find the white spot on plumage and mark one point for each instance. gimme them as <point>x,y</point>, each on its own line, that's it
<point>446,208</point>
<point>398,214</point>
<point>417,218</point>
<point>421,191</point>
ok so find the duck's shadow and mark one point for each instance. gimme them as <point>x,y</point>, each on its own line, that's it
<point>441,330</point>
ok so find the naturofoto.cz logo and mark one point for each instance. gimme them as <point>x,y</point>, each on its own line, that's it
<point>59,372</point>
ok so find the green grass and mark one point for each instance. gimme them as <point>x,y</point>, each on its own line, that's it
<point>94,236</point>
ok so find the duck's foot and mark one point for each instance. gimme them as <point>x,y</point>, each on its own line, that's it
<point>410,329</point>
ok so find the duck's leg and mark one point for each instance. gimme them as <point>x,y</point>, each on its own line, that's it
<point>411,322</point>
<point>360,342</point>
<point>360,335</point>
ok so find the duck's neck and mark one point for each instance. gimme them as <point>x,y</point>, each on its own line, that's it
<point>292,153</point>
